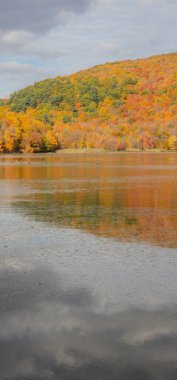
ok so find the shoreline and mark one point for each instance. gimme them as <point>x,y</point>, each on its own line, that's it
<point>89,151</point>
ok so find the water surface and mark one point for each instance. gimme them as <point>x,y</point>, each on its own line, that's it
<point>88,266</point>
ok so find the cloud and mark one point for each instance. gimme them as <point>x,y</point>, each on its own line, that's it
<point>63,36</point>
<point>16,37</point>
<point>37,15</point>
<point>16,75</point>
<point>15,67</point>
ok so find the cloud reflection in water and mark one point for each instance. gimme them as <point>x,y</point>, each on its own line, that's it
<point>49,332</point>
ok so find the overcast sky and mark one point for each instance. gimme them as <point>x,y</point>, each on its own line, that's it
<point>47,38</point>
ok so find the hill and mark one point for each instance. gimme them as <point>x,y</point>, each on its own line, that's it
<point>115,106</point>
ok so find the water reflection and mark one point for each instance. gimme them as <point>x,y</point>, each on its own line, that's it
<point>74,305</point>
<point>125,196</point>
<point>49,340</point>
<point>69,315</point>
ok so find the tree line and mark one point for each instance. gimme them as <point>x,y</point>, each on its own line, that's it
<point>116,106</point>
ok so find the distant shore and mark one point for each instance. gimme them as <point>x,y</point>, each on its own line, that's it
<point>90,151</point>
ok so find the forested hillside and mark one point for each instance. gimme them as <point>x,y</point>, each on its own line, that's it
<point>116,106</point>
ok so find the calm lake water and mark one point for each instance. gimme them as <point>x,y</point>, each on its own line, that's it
<point>88,267</point>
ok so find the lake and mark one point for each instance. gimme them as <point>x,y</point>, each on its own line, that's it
<point>88,266</point>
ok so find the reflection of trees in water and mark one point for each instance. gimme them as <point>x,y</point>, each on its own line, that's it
<point>73,209</point>
<point>131,196</point>
<point>107,214</point>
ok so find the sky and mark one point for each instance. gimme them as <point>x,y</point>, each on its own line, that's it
<point>48,38</point>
